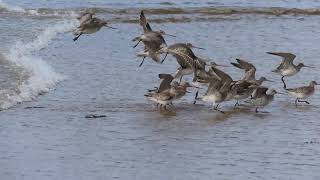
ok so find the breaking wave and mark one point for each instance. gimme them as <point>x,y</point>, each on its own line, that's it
<point>210,10</point>
<point>41,76</point>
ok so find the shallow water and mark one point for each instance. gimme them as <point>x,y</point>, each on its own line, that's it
<point>50,138</point>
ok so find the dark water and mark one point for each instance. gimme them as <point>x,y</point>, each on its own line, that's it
<point>99,74</point>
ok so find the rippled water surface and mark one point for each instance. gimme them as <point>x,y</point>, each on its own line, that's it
<point>48,136</point>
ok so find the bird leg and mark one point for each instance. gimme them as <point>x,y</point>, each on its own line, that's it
<point>165,107</point>
<point>195,98</point>
<point>217,109</point>
<point>296,102</point>
<point>77,37</point>
<point>237,104</point>
<point>142,61</point>
<point>165,56</point>
<point>137,43</point>
<point>180,79</point>
<point>284,83</point>
<point>257,110</point>
<point>303,101</point>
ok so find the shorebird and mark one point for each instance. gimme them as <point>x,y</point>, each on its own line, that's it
<point>151,39</point>
<point>302,92</point>
<point>147,28</point>
<point>165,83</point>
<point>167,96</point>
<point>188,61</point>
<point>219,90</point>
<point>244,90</point>
<point>203,77</point>
<point>248,83</point>
<point>91,26</point>
<point>164,98</point>
<point>250,72</point>
<point>287,68</point>
<point>260,98</point>
<point>150,50</point>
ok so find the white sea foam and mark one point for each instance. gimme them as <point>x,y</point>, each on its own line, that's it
<point>42,76</point>
<point>37,12</point>
<point>17,9</point>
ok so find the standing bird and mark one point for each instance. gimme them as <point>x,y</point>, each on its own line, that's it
<point>91,26</point>
<point>167,96</point>
<point>302,92</point>
<point>165,83</point>
<point>220,89</point>
<point>260,98</point>
<point>287,68</point>
<point>151,39</point>
<point>204,77</point>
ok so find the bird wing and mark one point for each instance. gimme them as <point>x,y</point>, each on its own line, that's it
<point>214,85</point>
<point>250,69</point>
<point>152,45</point>
<point>287,58</point>
<point>144,23</point>
<point>250,75</point>
<point>187,57</point>
<point>242,64</point>
<point>201,63</point>
<point>153,36</point>
<point>225,79</point>
<point>260,91</point>
<point>84,18</point>
<point>166,80</point>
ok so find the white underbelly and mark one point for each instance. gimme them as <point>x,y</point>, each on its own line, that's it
<point>289,72</point>
<point>159,101</point>
<point>186,71</point>
<point>260,102</point>
<point>299,95</point>
<point>90,30</point>
<point>212,98</point>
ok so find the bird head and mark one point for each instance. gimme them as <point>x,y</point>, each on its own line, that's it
<point>303,65</point>
<point>214,64</point>
<point>104,23</point>
<point>164,33</point>
<point>192,46</point>
<point>273,92</point>
<point>262,79</point>
<point>313,83</point>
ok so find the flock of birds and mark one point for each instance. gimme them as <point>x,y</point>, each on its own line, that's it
<point>220,85</point>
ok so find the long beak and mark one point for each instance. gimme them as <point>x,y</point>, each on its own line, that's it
<point>170,35</point>
<point>281,93</point>
<point>164,58</point>
<point>198,47</point>
<point>269,80</point>
<point>223,65</point>
<point>110,27</point>
<point>309,66</point>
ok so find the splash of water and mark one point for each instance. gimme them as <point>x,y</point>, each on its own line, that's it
<point>42,76</point>
<point>17,9</point>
